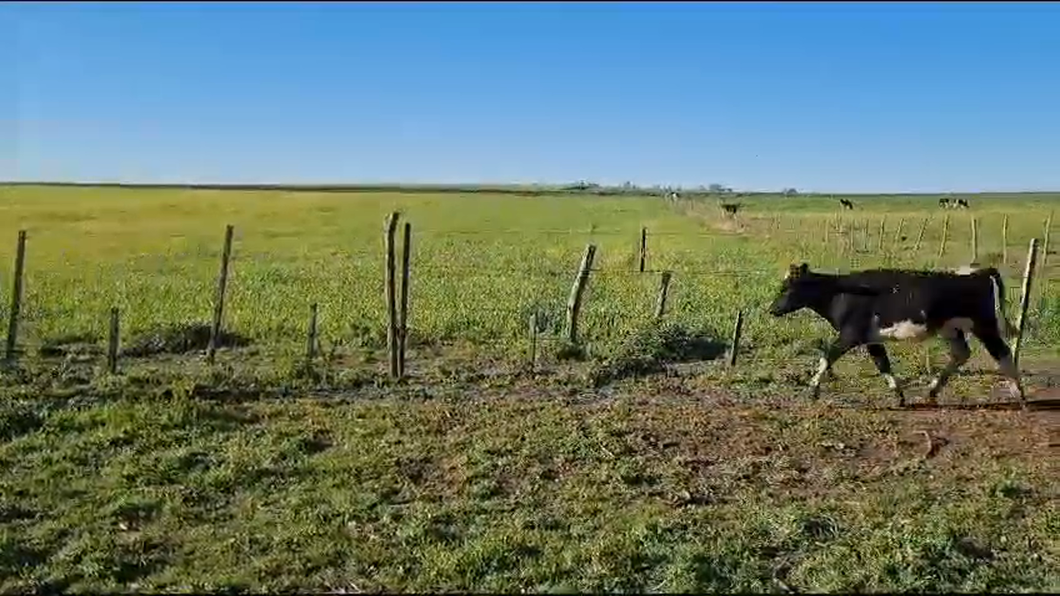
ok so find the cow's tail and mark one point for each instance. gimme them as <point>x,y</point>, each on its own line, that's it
<point>1005,326</point>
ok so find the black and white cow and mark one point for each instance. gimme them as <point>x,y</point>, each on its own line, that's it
<point>870,307</point>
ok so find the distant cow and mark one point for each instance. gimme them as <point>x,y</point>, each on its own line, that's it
<point>846,203</point>
<point>962,203</point>
<point>877,305</point>
<point>730,208</point>
<point>944,202</point>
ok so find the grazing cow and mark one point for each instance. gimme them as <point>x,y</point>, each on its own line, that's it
<point>962,203</point>
<point>944,202</point>
<point>730,208</point>
<point>876,305</point>
<point>846,203</point>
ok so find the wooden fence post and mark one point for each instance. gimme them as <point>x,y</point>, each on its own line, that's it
<point>405,276</point>
<point>1004,241</point>
<point>391,298</point>
<point>112,342</point>
<point>16,299</point>
<point>1045,242</point>
<point>219,299</point>
<point>883,229</point>
<point>574,303</point>
<point>533,341</point>
<point>1025,298</point>
<point>975,240</point>
<point>311,334</point>
<point>898,232</point>
<point>1043,287</point>
<point>736,330</point>
<point>945,235</point>
<point>643,248</point>
<point>664,287</point>
<point>920,236</point>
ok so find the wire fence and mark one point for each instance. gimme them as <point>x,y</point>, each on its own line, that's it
<point>463,293</point>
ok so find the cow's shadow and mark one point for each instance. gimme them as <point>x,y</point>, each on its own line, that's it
<point>1050,404</point>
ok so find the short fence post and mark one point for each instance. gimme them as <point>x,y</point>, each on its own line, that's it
<point>643,248</point>
<point>16,298</point>
<point>404,321</point>
<point>736,330</point>
<point>574,303</point>
<point>219,300</point>
<point>664,287</point>
<point>1025,298</point>
<point>391,298</point>
<point>112,342</point>
<point>883,230</point>
<point>311,334</point>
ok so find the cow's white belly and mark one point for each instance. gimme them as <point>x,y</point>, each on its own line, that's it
<point>911,330</point>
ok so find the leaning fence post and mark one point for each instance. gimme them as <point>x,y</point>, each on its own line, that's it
<point>574,303</point>
<point>404,320</point>
<point>219,300</point>
<point>391,299</point>
<point>920,236</point>
<point>898,232</point>
<point>1025,298</point>
<point>112,342</point>
<point>736,330</point>
<point>664,287</point>
<point>945,235</point>
<point>16,298</point>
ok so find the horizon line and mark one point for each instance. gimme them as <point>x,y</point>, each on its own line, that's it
<point>567,187</point>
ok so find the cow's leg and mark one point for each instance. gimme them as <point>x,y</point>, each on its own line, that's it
<point>959,354</point>
<point>883,364</point>
<point>999,350</point>
<point>832,353</point>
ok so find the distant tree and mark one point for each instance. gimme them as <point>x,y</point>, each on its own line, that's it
<point>790,192</point>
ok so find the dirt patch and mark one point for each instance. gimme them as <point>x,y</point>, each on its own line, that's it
<point>180,339</point>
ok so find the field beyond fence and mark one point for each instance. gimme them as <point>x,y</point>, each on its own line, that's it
<point>642,407</point>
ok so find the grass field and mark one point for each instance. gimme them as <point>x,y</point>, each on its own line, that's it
<point>474,474</point>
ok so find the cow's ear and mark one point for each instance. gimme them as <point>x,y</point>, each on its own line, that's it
<point>804,269</point>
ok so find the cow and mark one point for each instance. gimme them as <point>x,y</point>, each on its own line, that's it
<point>846,203</point>
<point>944,202</point>
<point>730,208</point>
<point>962,203</point>
<point>872,306</point>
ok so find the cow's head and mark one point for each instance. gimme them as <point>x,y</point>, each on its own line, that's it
<point>795,291</point>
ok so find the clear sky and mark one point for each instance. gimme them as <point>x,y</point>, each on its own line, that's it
<point>827,97</point>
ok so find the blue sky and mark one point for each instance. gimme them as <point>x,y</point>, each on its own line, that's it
<point>827,97</point>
